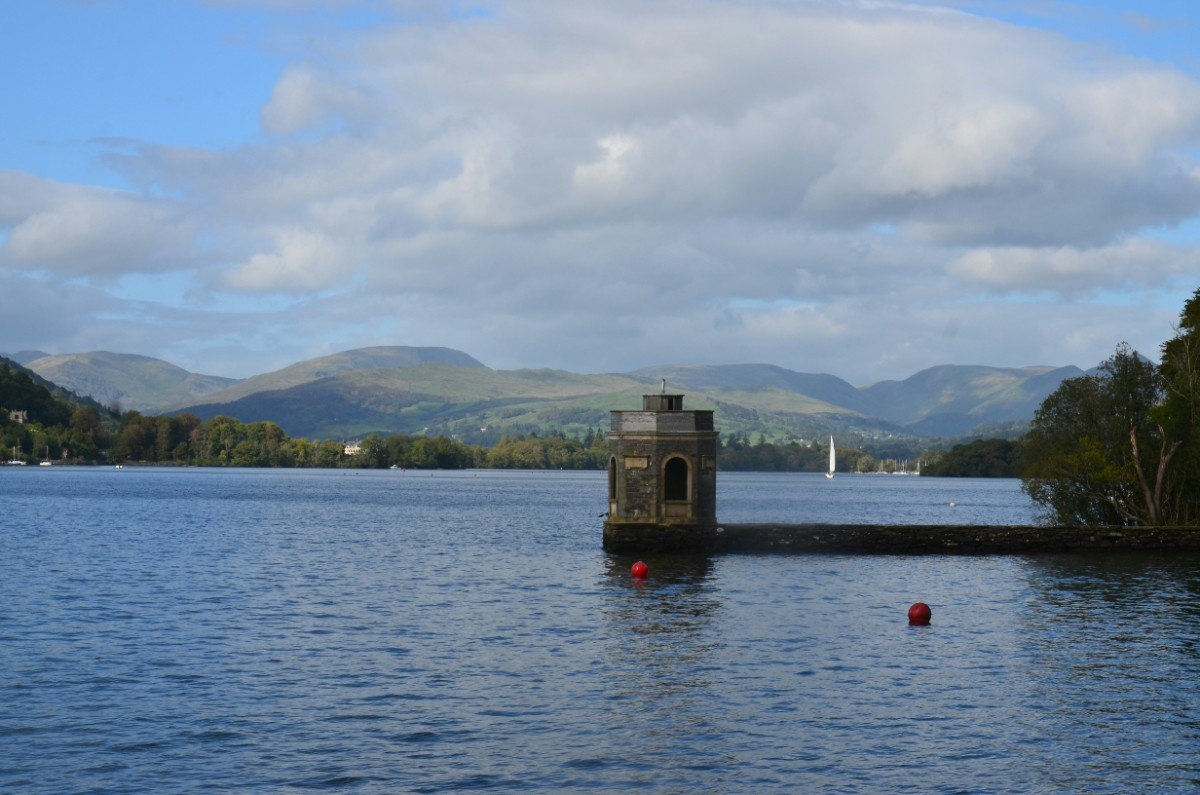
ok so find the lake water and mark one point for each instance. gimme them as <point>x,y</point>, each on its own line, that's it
<point>236,631</point>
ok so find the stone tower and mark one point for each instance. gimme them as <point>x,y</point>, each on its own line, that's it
<point>662,476</point>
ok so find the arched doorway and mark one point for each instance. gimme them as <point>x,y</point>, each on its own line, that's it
<point>676,487</point>
<point>612,486</point>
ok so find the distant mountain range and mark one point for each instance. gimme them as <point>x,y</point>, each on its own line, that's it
<point>444,391</point>
<point>123,380</point>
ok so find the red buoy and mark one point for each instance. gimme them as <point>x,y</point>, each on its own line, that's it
<point>919,614</point>
<point>640,570</point>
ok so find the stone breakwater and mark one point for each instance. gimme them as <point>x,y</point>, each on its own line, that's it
<point>625,538</point>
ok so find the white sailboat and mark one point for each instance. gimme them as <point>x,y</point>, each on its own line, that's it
<point>832,459</point>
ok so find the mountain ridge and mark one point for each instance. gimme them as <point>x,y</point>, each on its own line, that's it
<point>122,379</point>
<point>435,390</point>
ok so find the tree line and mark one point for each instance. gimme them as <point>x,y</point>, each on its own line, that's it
<point>48,428</point>
<point>1116,447</point>
<point>1119,446</point>
<point>87,434</point>
<point>980,458</point>
<point>42,425</point>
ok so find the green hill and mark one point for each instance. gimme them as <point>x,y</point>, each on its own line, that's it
<point>474,403</point>
<point>40,420</point>
<point>430,390</point>
<point>48,403</point>
<point>950,400</point>
<point>310,370</point>
<point>478,405</point>
<point>126,380</point>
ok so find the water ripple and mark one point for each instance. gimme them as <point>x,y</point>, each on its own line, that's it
<point>180,631</point>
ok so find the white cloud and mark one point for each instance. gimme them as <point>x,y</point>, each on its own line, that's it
<point>611,173</point>
<point>824,185</point>
<point>1133,263</point>
<point>959,129</point>
<point>303,100</point>
<point>979,145</point>
<point>91,233</point>
<point>304,260</point>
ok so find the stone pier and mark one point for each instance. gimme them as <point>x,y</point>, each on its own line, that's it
<point>662,497</point>
<point>625,538</point>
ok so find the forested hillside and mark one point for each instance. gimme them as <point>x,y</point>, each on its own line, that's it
<point>40,422</point>
<point>441,391</point>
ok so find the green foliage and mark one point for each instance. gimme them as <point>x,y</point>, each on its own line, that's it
<point>1180,412</point>
<point>538,453</point>
<point>439,452</point>
<point>739,454</point>
<point>19,392</point>
<point>1087,454</point>
<point>982,458</point>
<point>46,425</point>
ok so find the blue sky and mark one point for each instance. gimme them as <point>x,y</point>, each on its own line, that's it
<point>1160,30</point>
<point>87,76</point>
<point>859,188</point>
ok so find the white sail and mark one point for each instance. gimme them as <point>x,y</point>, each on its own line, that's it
<point>832,459</point>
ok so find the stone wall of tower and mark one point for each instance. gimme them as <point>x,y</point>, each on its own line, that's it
<point>642,444</point>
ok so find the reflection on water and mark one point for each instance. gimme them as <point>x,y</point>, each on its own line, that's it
<point>870,499</point>
<point>1112,652</point>
<point>660,659</point>
<point>175,631</point>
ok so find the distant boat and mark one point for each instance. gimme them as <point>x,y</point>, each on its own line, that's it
<point>46,462</point>
<point>14,461</point>
<point>832,459</point>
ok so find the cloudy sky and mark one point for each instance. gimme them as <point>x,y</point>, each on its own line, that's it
<point>858,187</point>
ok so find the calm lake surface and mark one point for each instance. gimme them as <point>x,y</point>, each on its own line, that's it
<point>243,631</point>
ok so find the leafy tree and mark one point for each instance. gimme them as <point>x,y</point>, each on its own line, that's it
<point>303,452</point>
<point>271,444</point>
<point>1180,414</point>
<point>440,453</point>
<point>1095,454</point>
<point>736,441</point>
<point>516,453</point>
<point>86,435</point>
<point>166,438</point>
<point>982,458</point>
<point>215,439</point>
<point>552,452</point>
<point>135,440</point>
<point>763,456</point>
<point>329,454</point>
<point>372,454</point>
<point>244,454</point>
<point>598,449</point>
<point>19,392</point>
